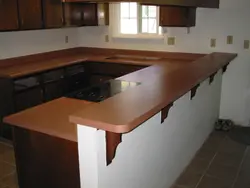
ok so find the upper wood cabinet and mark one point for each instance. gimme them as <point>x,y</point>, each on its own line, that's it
<point>52,13</point>
<point>73,14</point>
<point>189,3</point>
<point>8,15</point>
<point>174,16</point>
<point>30,14</point>
<point>86,14</point>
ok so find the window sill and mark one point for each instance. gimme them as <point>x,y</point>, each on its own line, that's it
<point>138,36</point>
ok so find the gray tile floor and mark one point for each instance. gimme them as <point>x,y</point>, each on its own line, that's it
<point>8,178</point>
<point>220,163</point>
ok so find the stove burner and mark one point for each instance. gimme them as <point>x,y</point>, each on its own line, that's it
<point>100,92</point>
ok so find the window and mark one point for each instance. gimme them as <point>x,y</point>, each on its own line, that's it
<point>138,19</point>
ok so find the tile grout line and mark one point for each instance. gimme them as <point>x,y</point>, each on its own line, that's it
<point>241,164</point>
<point>210,163</point>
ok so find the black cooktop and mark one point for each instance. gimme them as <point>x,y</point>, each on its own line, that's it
<point>100,92</point>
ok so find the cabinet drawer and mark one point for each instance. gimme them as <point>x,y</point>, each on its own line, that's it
<point>53,75</point>
<point>26,83</point>
<point>28,98</point>
<point>53,90</point>
<point>77,81</point>
<point>75,69</point>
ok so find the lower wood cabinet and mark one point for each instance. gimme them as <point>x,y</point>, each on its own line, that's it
<point>28,98</point>
<point>6,107</point>
<point>45,161</point>
<point>54,90</point>
<point>26,92</point>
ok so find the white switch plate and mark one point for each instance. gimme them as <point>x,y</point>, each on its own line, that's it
<point>213,43</point>
<point>171,41</point>
<point>246,44</point>
<point>66,39</point>
<point>230,39</point>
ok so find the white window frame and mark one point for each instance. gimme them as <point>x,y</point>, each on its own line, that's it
<point>115,18</point>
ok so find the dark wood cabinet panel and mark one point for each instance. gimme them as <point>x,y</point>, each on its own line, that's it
<point>86,14</point>
<point>189,3</point>
<point>44,161</point>
<point>52,13</point>
<point>6,107</point>
<point>8,15</point>
<point>73,14</point>
<point>30,14</point>
<point>28,98</point>
<point>177,16</point>
<point>54,90</point>
<point>90,14</point>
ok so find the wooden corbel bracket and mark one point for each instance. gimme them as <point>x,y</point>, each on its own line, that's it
<point>164,112</point>
<point>112,142</point>
<point>224,69</point>
<point>211,78</point>
<point>194,90</point>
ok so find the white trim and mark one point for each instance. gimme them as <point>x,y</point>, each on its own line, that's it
<point>139,36</point>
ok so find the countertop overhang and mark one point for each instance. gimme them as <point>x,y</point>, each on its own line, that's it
<point>162,82</point>
<point>160,87</point>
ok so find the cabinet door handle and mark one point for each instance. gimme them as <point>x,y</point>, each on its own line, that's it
<point>22,22</point>
<point>82,16</point>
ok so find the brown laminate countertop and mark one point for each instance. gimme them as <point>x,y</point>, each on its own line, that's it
<point>51,118</point>
<point>164,81</point>
<point>160,87</point>
<point>26,65</point>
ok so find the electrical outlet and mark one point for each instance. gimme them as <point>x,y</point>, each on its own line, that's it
<point>171,41</point>
<point>66,39</point>
<point>230,39</point>
<point>213,43</point>
<point>106,38</point>
<point>246,44</point>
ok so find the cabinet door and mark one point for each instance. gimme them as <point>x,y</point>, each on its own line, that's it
<point>53,90</point>
<point>53,13</point>
<point>90,14</point>
<point>28,98</point>
<point>103,13</point>
<point>8,15</point>
<point>73,14</point>
<point>30,12</point>
<point>177,16</point>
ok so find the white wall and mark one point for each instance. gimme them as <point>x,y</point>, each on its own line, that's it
<point>19,43</point>
<point>231,19</point>
<point>154,154</point>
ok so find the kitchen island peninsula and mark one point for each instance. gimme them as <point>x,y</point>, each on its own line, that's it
<point>143,136</point>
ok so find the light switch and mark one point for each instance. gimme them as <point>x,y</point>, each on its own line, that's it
<point>213,43</point>
<point>230,39</point>
<point>171,41</point>
<point>246,44</point>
